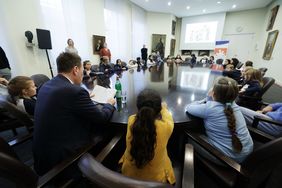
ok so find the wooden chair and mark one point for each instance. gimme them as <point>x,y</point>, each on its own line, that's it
<point>258,119</point>
<point>21,175</point>
<point>39,80</point>
<point>16,118</point>
<point>255,171</point>
<point>103,177</point>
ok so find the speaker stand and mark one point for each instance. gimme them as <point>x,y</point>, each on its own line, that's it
<point>50,67</point>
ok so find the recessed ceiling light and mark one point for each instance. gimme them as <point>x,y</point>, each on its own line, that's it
<point>146,0</point>
<point>169,3</point>
<point>234,6</point>
<point>204,10</point>
<point>218,2</point>
<point>188,7</point>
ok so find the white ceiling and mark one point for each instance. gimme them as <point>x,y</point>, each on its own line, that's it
<point>179,7</point>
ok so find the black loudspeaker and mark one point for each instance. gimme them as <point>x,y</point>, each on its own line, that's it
<point>44,39</point>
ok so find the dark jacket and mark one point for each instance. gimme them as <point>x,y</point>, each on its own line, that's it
<point>234,74</point>
<point>252,88</point>
<point>65,120</point>
<point>4,63</point>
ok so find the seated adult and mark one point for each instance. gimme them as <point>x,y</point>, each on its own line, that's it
<point>272,111</point>
<point>147,136</point>
<point>65,116</point>
<point>22,91</point>
<point>105,66</point>
<point>119,66</point>
<point>232,73</point>
<point>224,123</point>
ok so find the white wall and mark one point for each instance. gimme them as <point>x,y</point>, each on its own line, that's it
<point>16,17</point>
<point>243,23</point>
<point>94,14</point>
<point>159,23</point>
<point>274,65</point>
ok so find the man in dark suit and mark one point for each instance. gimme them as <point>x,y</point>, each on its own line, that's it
<point>65,116</point>
<point>144,55</point>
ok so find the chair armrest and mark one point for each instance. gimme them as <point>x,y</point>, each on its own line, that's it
<point>43,180</point>
<point>258,118</point>
<point>250,97</point>
<point>260,135</point>
<point>188,168</point>
<point>108,148</point>
<point>20,140</point>
<point>220,156</point>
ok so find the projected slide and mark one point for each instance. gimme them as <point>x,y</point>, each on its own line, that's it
<point>201,32</point>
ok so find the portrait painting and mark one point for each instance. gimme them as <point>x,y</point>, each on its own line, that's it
<point>272,17</point>
<point>270,43</point>
<point>98,42</point>
<point>203,53</point>
<point>158,44</point>
<point>173,27</point>
<point>186,52</point>
<point>172,47</point>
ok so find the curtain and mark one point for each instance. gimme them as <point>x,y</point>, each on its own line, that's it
<point>65,19</point>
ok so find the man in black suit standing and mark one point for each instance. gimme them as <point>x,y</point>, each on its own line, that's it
<point>65,116</point>
<point>144,55</point>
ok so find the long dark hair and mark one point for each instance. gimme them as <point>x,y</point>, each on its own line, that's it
<point>143,130</point>
<point>225,91</point>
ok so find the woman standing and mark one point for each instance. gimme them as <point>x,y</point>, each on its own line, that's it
<point>70,48</point>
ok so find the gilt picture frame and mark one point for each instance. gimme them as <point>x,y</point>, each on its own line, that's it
<point>97,42</point>
<point>270,43</point>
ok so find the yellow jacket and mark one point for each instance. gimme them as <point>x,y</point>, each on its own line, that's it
<point>160,167</point>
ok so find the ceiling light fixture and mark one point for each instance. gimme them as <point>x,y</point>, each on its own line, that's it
<point>169,3</point>
<point>146,0</point>
<point>218,2</point>
<point>188,7</point>
<point>204,10</point>
<point>234,6</point>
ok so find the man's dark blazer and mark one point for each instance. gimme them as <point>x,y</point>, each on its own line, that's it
<point>144,53</point>
<point>65,120</point>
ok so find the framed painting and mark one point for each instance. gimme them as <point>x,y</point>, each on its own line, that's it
<point>172,47</point>
<point>158,44</point>
<point>272,17</point>
<point>270,43</point>
<point>203,53</point>
<point>98,42</point>
<point>186,52</point>
<point>173,27</point>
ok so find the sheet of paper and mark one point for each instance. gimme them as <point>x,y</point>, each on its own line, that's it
<point>102,94</point>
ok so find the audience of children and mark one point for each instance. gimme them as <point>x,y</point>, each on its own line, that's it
<point>224,123</point>
<point>22,92</point>
<point>147,136</point>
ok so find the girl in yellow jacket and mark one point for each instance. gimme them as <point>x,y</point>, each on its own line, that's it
<point>148,132</point>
